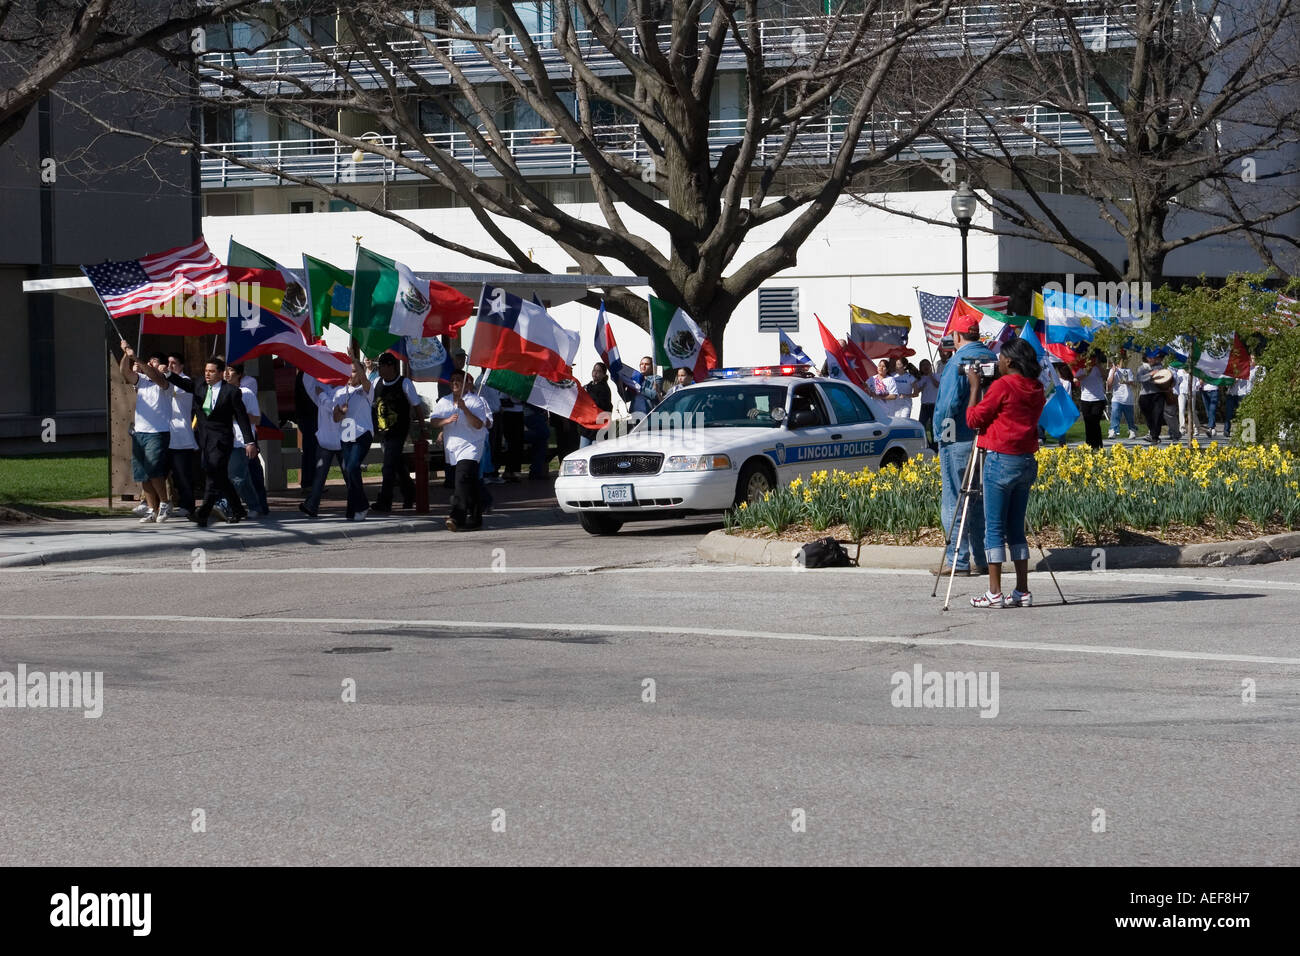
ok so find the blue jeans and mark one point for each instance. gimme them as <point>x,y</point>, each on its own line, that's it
<point>320,473</point>
<point>1228,402</point>
<point>1211,407</point>
<point>353,452</point>
<point>243,481</point>
<point>953,459</point>
<point>1121,410</point>
<point>1007,480</point>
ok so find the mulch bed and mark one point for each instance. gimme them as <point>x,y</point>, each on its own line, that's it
<point>1049,538</point>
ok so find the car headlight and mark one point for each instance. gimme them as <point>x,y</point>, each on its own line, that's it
<point>697,463</point>
<point>573,466</point>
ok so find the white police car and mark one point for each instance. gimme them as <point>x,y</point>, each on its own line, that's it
<point>728,439</point>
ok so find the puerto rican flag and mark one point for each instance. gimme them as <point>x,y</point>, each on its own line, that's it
<point>607,349</point>
<point>257,324</point>
<point>521,336</point>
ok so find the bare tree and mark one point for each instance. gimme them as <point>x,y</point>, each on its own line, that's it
<point>43,41</point>
<point>630,104</point>
<point>1179,120</point>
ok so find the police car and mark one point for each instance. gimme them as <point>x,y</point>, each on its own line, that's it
<point>731,438</point>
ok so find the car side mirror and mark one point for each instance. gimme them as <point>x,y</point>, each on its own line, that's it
<point>805,418</point>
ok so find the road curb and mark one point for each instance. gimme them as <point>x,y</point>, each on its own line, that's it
<point>718,547</point>
<point>219,537</point>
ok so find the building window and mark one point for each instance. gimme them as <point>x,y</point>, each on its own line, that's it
<point>778,310</point>
<point>303,205</point>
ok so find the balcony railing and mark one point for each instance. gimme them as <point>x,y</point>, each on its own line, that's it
<point>783,42</point>
<point>543,152</point>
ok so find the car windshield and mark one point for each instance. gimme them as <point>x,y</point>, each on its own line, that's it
<point>720,406</point>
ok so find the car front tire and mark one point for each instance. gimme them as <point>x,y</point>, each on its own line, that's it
<point>755,481</point>
<point>599,524</point>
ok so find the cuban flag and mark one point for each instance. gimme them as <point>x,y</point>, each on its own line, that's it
<point>521,337</point>
<point>607,349</point>
<point>790,353</point>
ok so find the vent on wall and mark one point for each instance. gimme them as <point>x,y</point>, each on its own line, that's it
<point>778,310</point>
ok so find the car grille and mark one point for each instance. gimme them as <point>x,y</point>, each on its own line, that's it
<point>643,464</point>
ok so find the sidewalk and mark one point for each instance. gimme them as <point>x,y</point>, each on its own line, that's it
<point>39,542</point>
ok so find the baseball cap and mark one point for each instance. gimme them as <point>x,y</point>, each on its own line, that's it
<point>966,324</point>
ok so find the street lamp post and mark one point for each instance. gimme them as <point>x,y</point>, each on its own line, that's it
<point>359,155</point>
<point>964,202</point>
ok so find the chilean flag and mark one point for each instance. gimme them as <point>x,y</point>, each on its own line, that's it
<point>257,324</point>
<point>607,349</point>
<point>521,336</point>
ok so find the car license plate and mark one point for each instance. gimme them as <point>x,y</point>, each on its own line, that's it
<point>617,494</point>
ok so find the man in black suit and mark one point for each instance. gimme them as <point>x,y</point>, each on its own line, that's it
<point>219,406</point>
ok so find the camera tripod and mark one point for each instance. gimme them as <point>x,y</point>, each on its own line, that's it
<point>972,482</point>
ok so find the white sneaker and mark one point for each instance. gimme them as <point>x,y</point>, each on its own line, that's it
<point>164,511</point>
<point>149,518</point>
<point>361,515</point>
<point>1020,599</point>
<point>141,509</point>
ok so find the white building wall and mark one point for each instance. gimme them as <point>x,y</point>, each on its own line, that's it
<point>858,255</point>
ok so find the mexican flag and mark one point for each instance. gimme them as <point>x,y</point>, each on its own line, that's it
<point>329,289</point>
<point>678,341</point>
<point>389,302</point>
<point>996,327</point>
<point>295,306</point>
<point>566,398</point>
<point>1217,368</point>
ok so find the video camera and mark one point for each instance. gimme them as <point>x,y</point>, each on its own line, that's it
<point>988,371</point>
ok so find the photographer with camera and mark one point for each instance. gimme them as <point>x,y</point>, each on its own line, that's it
<point>1007,419</point>
<point>956,443</point>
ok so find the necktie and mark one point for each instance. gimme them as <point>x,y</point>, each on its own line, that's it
<point>210,399</point>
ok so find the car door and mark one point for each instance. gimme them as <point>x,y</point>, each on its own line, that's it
<point>861,438</point>
<point>808,448</point>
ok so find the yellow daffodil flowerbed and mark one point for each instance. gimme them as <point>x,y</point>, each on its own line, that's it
<point>1085,496</point>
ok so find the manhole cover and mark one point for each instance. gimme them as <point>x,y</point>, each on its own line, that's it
<point>358,650</point>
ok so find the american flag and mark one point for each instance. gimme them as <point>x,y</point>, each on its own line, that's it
<point>137,285</point>
<point>935,310</point>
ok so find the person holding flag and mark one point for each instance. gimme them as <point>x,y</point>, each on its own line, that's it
<point>464,419</point>
<point>642,399</point>
<point>1007,420</point>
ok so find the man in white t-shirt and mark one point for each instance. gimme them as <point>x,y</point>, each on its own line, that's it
<point>329,444</point>
<point>182,450</point>
<point>464,419</point>
<point>151,433</point>
<point>355,415</point>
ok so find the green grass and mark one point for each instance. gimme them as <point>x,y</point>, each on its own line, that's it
<point>291,475</point>
<point>34,478</point>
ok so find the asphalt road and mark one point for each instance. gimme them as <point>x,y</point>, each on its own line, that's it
<point>502,712</point>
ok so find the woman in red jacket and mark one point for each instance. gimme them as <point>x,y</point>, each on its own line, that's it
<point>1007,423</point>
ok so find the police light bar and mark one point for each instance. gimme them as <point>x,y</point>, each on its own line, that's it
<point>761,370</point>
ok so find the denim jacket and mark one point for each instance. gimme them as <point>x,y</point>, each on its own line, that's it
<point>954,392</point>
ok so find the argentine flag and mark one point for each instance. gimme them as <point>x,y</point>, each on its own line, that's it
<point>1059,411</point>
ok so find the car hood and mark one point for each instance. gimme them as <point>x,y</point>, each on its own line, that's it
<point>704,441</point>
